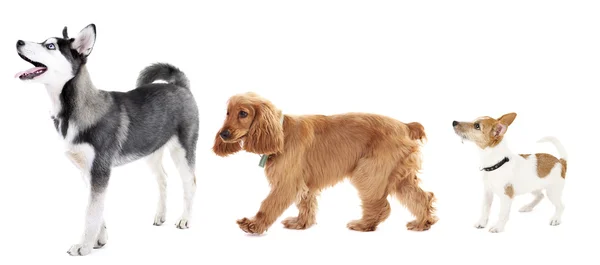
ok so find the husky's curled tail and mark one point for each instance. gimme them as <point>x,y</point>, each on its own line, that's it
<point>163,71</point>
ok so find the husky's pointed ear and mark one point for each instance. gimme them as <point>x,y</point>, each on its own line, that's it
<point>84,42</point>
<point>65,34</point>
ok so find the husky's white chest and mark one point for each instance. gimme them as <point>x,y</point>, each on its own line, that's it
<point>54,95</point>
<point>80,154</point>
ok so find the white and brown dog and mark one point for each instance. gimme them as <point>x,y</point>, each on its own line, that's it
<point>507,174</point>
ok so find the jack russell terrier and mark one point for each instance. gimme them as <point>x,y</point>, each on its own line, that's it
<point>507,174</point>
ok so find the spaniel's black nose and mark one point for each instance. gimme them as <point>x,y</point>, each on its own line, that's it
<point>225,134</point>
<point>20,43</point>
<point>454,123</point>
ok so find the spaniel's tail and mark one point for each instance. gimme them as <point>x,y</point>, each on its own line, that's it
<point>416,131</point>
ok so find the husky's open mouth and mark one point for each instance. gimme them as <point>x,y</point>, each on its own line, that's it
<point>37,70</point>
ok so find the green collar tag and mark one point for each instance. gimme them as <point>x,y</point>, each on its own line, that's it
<point>265,157</point>
<point>263,160</point>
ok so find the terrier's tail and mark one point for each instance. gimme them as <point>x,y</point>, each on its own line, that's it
<point>561,149</point>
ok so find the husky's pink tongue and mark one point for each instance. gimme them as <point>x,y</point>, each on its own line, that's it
<point>30,71</point>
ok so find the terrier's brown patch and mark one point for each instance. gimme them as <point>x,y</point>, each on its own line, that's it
<point>563,172</point>
<point>509,191</point>
<point>545,163</point>
<point>525,155</point>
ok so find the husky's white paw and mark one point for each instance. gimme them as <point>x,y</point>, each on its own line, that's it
<point>555,222</point>
<point>496,229</point>
<point>79,250</point>
<point>159,219</point>
<point>526,209</point>
<point>102,238</point>
<point>182,223</point>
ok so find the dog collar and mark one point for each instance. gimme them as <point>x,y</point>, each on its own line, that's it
<point>263,158</point>
<point>496,166</point>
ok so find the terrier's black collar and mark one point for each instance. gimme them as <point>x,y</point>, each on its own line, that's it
<point>496,166</point>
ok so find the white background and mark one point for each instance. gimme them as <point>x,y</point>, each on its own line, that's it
<point>426,61</point>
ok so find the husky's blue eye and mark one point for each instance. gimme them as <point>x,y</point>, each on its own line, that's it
<point>50,46</point>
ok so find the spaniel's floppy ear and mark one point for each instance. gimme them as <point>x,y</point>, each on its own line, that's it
<point>224,149</point>
<point>265,136</point>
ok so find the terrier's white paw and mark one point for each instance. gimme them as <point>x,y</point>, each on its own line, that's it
<point>79,250</point>
<point>159,219</point>
<point>102,238</point>
<point>526,209</point>
<point>555,222</point>
<point>183,223</point>
<point>496,229</point>
<point>481,224</point>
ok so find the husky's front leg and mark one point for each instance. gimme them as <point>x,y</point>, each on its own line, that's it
<point>94,234</point>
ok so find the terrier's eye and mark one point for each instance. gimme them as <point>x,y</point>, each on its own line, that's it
<point>243,114</point>
<point>228,113</point>
<point>50,46</point>
<point>477,126</point>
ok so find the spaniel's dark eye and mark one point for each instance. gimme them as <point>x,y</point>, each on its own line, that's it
<point>243,114</point>
<point>477,126</point>
<point>228,113</point>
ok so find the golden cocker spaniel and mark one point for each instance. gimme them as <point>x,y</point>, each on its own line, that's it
<point>380,155</point>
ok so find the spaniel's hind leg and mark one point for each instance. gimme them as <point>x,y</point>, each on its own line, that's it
<point>370,179</point>
<point>418,201</point>
<point>307,211</point>
<point>375,211</point>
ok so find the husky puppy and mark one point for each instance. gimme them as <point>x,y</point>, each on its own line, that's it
<point>104,129</point>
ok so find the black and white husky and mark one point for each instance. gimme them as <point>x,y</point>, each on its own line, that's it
<point>102,129</point>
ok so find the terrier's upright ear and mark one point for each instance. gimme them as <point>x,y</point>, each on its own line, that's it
<point>503,123</point>
<point>507,119</point>
<point>499,130</point>
<point>84,42</point>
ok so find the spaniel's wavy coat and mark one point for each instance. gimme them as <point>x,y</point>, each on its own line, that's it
<point>380,156</point>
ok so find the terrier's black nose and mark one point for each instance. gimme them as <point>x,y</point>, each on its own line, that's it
<point>225,134</point>
<point>454,123</point>
<point>20,43</point>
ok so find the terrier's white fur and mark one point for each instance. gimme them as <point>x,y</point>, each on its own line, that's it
<point>517,176</point>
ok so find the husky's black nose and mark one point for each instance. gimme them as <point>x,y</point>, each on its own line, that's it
<point>225,134</point>
<point>20,43</point>
<point>454,123</point>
